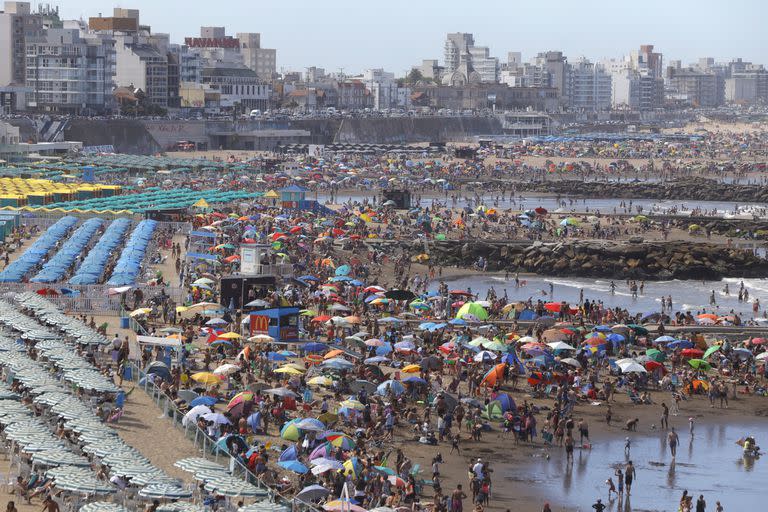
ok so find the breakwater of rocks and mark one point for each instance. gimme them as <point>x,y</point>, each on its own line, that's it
<point>605,259</point>
<point>689,189</point>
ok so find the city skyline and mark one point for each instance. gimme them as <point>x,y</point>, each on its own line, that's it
<point>711,29</point>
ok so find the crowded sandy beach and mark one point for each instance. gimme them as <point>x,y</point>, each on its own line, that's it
<point>389,330</point>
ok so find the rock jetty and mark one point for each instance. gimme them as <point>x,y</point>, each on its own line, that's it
<point>633,259</point>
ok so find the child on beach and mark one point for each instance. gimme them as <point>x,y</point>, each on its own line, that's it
<point>691,421</point>
<point>611,488</point>
<point>620,481</point>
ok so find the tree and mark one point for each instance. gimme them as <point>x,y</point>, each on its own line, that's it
<point>414,76</point>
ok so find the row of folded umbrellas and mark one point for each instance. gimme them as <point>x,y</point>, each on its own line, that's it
<point>39,249</point>
<point>56,267</point>
<point>52,316</point>
<point>129,263</point>
<point>138,203</point>
<point>92,267</point>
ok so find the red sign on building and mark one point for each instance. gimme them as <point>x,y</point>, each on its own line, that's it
<point>212,42</point>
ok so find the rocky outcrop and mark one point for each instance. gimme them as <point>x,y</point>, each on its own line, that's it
<point>689,189</point>
<point>614,260</point>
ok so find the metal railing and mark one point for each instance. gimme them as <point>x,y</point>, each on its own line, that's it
<point>207,445</point>
<point>90,299</point>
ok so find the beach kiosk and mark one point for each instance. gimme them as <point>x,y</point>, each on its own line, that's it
<point>293,197</point>
<point>280,323</point>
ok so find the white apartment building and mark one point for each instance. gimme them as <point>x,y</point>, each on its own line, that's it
<point>587,86</point>
<point>261,60</point>
<point>385,91</point>
<point>142,66</point>
<point>69,73</point>
<point>16,24</point>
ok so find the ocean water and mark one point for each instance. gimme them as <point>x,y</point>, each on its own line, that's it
<point>686,295</point>
<point>708,463</point>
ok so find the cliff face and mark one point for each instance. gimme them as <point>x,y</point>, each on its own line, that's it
<point>126,135</point>
<point>399,130</point>
<point>614,260</point>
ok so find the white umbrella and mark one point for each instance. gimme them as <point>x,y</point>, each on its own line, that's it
<point>217,418</point>
<point>261,338</point>
<point>633,368</point>
<point>194,413</point>
<point>168,491</point>
<point>226,369</point>
<point>571,362</point>
<point>560,345</point>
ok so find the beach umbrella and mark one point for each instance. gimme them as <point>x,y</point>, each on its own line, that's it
<point>102,506</point>
<point>226,369</point>
<point>390,386</point>
<point>351,403</point>
<point>293,465</point>
<point>711,350</point>
<point>484,356</point>
<point>254,421</point>
<point>290,430</point>
<point>473,310</point>
<point>207,401</point>
<point>312,492</point>
<point>180,506</point>
<point>165,491</point>
<point>653,366</point>
<point>352,466</point>
<point>699,364</point>
<point>656,355</point>
<point>692,353</point>
<point>217,418</point>
<point>493,375</point>
<point>571,362</point>
<point>342,506</point>
<point>311,424</point>
<point>633,367</point>
<point>664,339</point>
<point>194,413</point>
<point>321,380</point>
<point>322,451</point>
<point>314,347</point>
<point>207,378</point>
<point>342,441</point>
<point>560,345</point>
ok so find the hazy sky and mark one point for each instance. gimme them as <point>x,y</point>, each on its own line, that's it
<point>395,34</point>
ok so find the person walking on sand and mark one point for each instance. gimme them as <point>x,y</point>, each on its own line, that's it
<point>664,415</point>
<point>629,476</point>
<point>673,440</point>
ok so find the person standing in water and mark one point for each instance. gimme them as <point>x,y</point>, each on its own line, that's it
<point>673,440</point>
<point>629,476</point>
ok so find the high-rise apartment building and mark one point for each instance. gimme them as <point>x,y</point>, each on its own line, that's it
<point>263,61</point>
<point>16,24</point>
<point>587,86</point>
<point>68,72</point>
